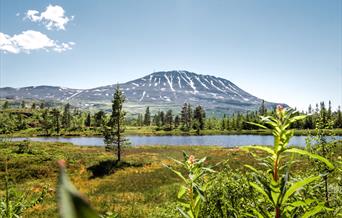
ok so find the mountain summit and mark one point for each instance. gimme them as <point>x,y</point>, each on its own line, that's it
<point>160,90</point>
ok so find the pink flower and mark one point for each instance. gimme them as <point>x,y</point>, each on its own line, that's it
<point>191,159</point>
<point>280,107</point>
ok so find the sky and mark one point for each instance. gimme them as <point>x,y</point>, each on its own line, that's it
<point>281,51</point>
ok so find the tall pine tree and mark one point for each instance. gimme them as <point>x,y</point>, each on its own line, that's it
<point>147,117</point>
<point>114,129</point>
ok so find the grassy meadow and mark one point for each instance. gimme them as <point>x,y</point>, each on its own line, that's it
<point>142,188</point>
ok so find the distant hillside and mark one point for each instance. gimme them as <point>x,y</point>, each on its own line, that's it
<point>159,90</point>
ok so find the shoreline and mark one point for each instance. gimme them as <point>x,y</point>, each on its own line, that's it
<point>151,132</point>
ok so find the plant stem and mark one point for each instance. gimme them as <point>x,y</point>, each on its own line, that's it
<point>7,191</point>
<point>276,178</point>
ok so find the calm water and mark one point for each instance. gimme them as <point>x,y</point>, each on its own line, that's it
<point>220,140</point>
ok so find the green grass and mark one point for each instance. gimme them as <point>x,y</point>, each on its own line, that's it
<point>147,189</point>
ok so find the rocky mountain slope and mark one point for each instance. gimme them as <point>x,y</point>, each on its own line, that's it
<point>160,90</point>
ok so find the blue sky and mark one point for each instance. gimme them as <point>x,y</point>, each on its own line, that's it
<point>281,51</point>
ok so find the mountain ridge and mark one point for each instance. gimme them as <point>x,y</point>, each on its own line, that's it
<point>162,89</point>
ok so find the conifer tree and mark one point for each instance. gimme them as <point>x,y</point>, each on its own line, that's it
<point>162,118</point>
<point>56,119</point>
<point>223,122</point>
<point>5,105</point>
<point>45,122</point>
<point>147,117</point>
<point>66,119</point>
<point>140,121</point>
<point>33,106</point>
<point>199,116</point>
<point>168,120</point>
<point>177,121</point>
<point>184,116</point>
<point>156,119</point>
<point>338,121</point>
<point>114,129</point>
<point>87,122</point>
<point>99,118</point>
<point>262,109</point>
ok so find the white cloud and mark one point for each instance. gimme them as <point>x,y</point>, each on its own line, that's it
<point>53,17</point>
<point>31,40</point>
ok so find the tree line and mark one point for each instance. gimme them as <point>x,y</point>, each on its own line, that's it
<point>54,120</point>
<point>196,119</point>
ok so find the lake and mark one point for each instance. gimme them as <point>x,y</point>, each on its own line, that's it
<point>220,140</point>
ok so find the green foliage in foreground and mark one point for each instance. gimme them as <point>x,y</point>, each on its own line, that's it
<point>274,190</point>
<point>191,195</point>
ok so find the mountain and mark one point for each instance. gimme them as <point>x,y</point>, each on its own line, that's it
<point>159,90</point>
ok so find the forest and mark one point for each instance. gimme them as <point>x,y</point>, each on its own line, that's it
<point>38,119</point>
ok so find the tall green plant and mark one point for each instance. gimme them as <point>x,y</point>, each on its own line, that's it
<point>14,203</point>
<point>276,187</point>
<point>191,194</point>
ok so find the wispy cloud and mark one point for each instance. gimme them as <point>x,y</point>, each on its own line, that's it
<point>31,40</point>
<point>53,17</point>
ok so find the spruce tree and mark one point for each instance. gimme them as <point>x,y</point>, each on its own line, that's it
<point>262,109</point>
<point>199,116</point>
<point>45,122</point>
<point>162,118</point>
<point>184,116</point>
<point>114,129</point>
<point>190,114</point>
<point>56,119</point>
<point>177,121</point>
<point>87,122</point>
<point>33,106</point>
<point>99,118</point>
<point>5,105</point>
<point>338,121</point>
<point>66,119</point>
<point>169,120</point>
<point>147,117</point>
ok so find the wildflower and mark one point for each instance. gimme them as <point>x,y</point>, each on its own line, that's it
<point>280,108</point>
<point>280,111</point>
<point>191,159</point>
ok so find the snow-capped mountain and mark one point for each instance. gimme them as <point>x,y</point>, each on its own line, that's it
<point>160,90</point>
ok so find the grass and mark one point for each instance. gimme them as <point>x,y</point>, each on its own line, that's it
<point>142,187</point>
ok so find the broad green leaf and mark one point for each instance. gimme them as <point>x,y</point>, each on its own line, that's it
<point>296,118</point>
<point>184,214</point>
<point>297,185</point>
<point>70,201</point>
<point>177,161</point>
<point>181,192</point>
<point>313,211</point>
<point>262,148</point>
<point>260,190</point>
<point>311,155</point>
<point>257,213</point>
<point>251,168</point>
<point>257,124</point>
<point>177,173</point>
